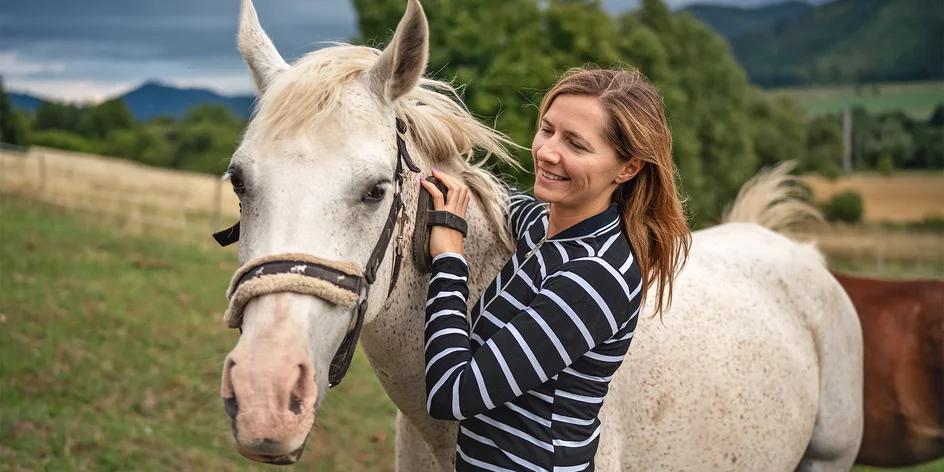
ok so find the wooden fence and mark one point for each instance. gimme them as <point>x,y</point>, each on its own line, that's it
<point>142,196</point>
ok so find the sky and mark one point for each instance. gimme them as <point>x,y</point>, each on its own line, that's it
<point>90,50</point>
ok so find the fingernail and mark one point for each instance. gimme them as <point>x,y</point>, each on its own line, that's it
<point>423,179</point>
<point>435,169</point>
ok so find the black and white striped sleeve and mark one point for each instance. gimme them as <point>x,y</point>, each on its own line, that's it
<point>580,306</point>
<point>522,210</point>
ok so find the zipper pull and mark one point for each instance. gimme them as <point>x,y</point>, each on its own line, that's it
<point>536,247</point>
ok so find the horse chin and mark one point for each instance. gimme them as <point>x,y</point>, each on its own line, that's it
<point>284,459</point>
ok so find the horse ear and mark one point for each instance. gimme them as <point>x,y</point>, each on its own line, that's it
<point>403,61</point>
<point>257,49</point>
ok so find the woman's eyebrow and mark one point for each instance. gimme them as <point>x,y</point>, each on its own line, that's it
<point>573,134</point>
<point>583,141</point>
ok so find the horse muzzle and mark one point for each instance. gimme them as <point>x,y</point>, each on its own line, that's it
<point>273,459</point>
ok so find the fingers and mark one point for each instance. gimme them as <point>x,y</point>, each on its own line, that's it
<point>457,200</point>
<point>438,203</point>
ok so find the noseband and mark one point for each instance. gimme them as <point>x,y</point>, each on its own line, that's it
<point>339,282</point>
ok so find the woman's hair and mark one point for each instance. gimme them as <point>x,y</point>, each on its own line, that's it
<point>653,217</point>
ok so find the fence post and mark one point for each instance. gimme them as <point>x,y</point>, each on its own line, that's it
<point>42,171</point>
<point>217,203</point>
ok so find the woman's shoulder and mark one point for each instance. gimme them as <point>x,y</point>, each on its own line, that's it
<point>617,264</point>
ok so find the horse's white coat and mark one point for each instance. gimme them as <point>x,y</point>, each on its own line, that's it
<point>757,365</point>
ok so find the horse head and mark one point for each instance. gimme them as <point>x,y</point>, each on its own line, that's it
<point>318,174</point>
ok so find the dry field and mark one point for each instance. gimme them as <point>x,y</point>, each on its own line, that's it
<point>141,197</point>
<point>189,206</point>
<point>898,198</point>
<point>876,251</point>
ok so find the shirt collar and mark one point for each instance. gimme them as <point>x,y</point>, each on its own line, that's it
<point>591,226</point>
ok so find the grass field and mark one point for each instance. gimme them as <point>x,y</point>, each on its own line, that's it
<point>110,354</point>
<point>916,99</point>
<point>111,347</point>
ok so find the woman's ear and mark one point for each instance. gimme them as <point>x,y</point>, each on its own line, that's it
<point>629,170</point>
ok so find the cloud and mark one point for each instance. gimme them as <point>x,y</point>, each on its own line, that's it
<point>70,90</point>
<point>15,65</point>
<point>72,49</point>
<point>68,49</point>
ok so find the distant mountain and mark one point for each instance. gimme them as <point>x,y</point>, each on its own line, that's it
<point>733,21</point>
<point>848,41</point>
<point>24,101</point>
<point>153,99</point>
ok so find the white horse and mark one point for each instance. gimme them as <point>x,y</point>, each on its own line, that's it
<point>757,366</point>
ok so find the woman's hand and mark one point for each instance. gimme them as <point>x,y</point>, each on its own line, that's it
<point>443,239</point>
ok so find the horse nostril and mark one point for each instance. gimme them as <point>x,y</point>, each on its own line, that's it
<point>228,392</point>
<point>302,390</point>
<point>231,405</point>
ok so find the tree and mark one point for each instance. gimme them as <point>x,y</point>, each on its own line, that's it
<point>56,116</point>
<point>937,117</point>
<point>777,130</point>
<point>97,121</point>
<point>205,147</point>
<point>506,66</point>
<point>823,147</point>
<point>14,125</point>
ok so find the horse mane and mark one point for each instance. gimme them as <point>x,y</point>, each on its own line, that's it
<point>439,125</point>
<point>773,199</point>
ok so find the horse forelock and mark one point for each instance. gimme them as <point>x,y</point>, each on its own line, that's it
<point>439,126</point>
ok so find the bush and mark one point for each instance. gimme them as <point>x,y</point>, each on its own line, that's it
<point>830,170</point>
<point>845,207</point>
<point>931,223</point>
<point>62,140</point>
<point>885,165</point>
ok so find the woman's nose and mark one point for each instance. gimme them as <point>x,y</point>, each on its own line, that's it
<point>548,152</point>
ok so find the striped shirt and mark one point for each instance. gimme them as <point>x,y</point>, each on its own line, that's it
<point>527,379</point>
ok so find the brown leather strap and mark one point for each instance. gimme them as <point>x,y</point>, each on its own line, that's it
<point>328,274</point>
<point>449,220</point>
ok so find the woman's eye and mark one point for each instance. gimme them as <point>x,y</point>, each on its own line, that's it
<point>546,130</point>
<point>576,146</point>
<point>375,195</point>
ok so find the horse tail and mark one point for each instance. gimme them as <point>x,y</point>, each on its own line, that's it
<point>773,200</point>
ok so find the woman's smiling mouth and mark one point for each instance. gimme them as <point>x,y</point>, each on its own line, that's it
<point>549,176</point>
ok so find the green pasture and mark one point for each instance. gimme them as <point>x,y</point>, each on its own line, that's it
<point>110,355</point>
<point>915,99</point>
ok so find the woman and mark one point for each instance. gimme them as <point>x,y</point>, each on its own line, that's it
<point>528,378</point>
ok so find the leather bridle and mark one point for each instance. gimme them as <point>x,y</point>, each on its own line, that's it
<point>358,285</point>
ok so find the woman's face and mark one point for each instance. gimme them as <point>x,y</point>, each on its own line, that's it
<point>575,167</point>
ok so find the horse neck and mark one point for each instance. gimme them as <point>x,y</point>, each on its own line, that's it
<point>393,341</point>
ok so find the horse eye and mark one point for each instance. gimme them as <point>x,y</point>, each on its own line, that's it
<point>375,195</point>
<point>236,180</point>
<point>238,187</point>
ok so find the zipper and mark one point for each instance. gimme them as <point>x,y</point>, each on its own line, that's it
<point>527,257</point>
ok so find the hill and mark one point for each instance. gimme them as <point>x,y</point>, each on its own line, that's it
<point>848,41</point>
<point>733,21</point>
<point>153,99</point>
<point>24,101</point>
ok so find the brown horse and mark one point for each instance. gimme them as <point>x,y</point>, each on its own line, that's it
<point>903,334</point>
